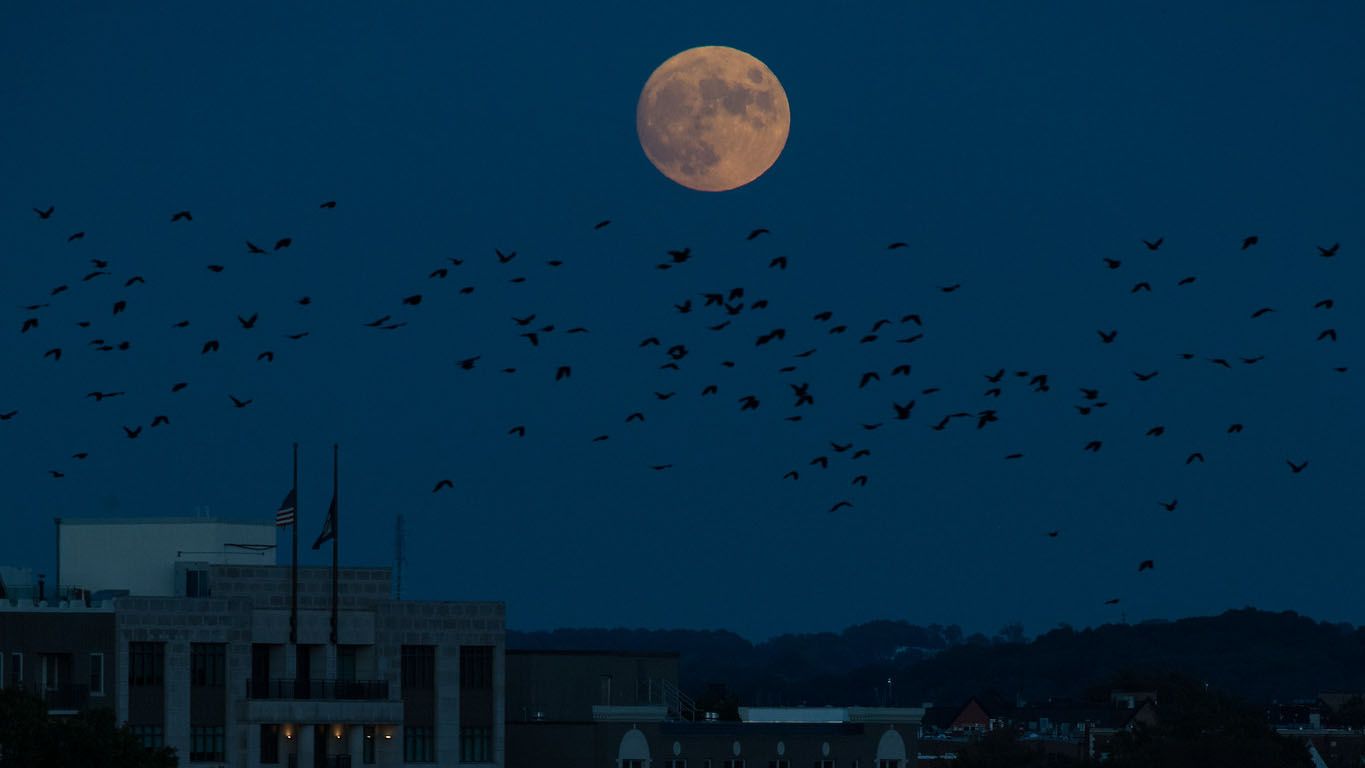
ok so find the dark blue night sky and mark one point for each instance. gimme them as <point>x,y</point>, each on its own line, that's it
<point>1012,148</point>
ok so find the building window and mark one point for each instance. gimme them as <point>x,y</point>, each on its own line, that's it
<point>737,762</point>
<point>206,664</point>
<point>145,663</point>
<point>418,744</point>
<point>206,743</point>
<point>149,736</point>
<point>886,763</point>
<point>270,744</point>
<point>778,764</point>
<point>476,745</point>
<point>476,667</point>
<point>824,764</point>
<point>16,670</point>
<point>51,671</point>
<point>419,667</point>
<point>634,763</point>
<point>367,749</point>
<point>96,674</point>
<point>197,583</point>
<point>346,662</point>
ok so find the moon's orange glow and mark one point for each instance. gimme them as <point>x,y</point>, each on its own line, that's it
<point>713,118</point>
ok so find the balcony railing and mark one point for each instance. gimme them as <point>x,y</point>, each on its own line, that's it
<point>319,690</point>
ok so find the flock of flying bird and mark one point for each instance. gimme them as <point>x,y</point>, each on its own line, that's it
<point>722,308</point>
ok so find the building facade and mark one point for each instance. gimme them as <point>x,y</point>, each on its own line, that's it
<point>206,664</point>
<point>577,709</point>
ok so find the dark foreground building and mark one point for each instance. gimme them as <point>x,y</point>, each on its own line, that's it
<point>615,710</point>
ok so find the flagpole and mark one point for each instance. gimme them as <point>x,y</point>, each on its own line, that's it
<point>294,561</point>
<point>335,525</point>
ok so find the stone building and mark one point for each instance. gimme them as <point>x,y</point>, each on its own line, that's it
<point>207,666</point>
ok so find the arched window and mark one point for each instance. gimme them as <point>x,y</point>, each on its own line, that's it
<point>891,750</point>
<point>634,750</point>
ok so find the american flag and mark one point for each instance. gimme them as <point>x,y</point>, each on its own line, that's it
<point>285,514</point>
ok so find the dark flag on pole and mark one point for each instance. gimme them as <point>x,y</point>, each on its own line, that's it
<point>285,514</point>
<point>329,526</point>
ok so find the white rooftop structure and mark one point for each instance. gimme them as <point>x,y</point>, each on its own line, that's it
<point>141,554</point>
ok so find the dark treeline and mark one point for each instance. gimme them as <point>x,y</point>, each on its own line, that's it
<point>1256,655</point>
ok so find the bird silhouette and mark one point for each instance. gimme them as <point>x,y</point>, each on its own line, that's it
<point>841,505</point>
<point>1233,428</point>
<point>132,432</point>
<point>903,411</point>
<point>601,224</point>
<point>1093,446</point>
<point>181,216</point>
<point>1156,431</point>
<point>748,403</point>
<point>1329,334</point>
<point>209,346</point>
<point>413,300</point>
<point>1169,506</point>
<point>267,356</point>
<point>81,235</point>
<point>1324,304</point>
<point>100,396</point>
<point>1329,251</point>
<point>283,242</point>
<point>239,403</point>
<point>1186,280</point>
<point>503,258</point>
<point>216,268</point>
<point>519,431</point>
<point>159,420</point>
<point>1112,263</point>
<point>442,484</point>
<point>1146,565</point>
<point>1107,338</point>
<point>1153,245</point>
<point>1145,376</point>
<point>1193,457</point>
<point>248,322</point>
<point>896,245</point>
<point>55,353</point>
<point>253,248</point>
<point>1053,534</point>
<point>1262,311</point>
<point>7,415</point>
<point>563,372</point>
<point>45,214</point>
<point>860,480</point>
<point>1112,601</point>
<point>329,204</point>
<point>779,262</point>
<point>1296,468</point>
<point>179,385</point>
<point>1249,241</point>
<point>1142,286</point>
<point>756,233</point>
<point>438,273</point>
<point>792,475</point>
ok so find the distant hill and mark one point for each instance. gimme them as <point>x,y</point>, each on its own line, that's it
<point>1257,655</point>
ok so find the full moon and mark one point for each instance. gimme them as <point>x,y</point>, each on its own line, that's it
<point>713,118</point>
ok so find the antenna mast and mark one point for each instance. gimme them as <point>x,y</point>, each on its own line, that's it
<point>398,557</point>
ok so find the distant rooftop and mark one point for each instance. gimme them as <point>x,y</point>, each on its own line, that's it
<point>264,521</point>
